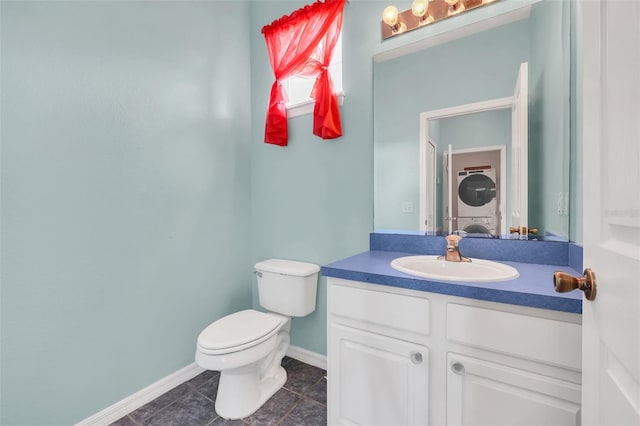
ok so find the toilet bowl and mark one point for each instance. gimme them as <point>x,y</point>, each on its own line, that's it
<point>247,347</point>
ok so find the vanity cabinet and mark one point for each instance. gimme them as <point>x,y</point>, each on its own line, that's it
<point>380,380</point>
<point>533,382</point>
<point>481,392</point>
<point>405,357</point>
<point>377,357</point>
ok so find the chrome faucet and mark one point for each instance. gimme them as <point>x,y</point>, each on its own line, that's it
<point>453,251</point>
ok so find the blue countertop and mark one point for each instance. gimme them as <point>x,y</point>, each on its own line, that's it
<point>533,288</point>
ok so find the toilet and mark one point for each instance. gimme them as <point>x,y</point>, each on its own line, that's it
<point>247,347</point>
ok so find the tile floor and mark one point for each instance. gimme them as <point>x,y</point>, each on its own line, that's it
<point>301,402</point>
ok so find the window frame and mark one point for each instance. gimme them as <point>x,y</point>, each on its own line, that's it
<point>306,106</point>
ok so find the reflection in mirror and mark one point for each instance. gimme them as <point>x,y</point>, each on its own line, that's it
<point>477,68</point>
<point>475,185</point>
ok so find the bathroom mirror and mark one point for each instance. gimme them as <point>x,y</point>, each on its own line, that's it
<point>478,68</point>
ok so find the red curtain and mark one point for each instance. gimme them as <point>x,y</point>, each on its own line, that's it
<point>302,43</point>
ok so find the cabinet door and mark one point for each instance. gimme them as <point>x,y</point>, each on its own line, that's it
<point>484,393</point>
<point>376,380</point>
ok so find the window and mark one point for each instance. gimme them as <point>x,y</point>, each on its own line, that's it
<point>314,30</point>
<point>299,88</point>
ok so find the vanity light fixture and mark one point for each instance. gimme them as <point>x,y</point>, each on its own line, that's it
<point>424,12</point>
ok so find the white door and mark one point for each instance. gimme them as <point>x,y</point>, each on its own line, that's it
<point>376,380</point>
<point>519,150</point>
<point>611,211</point>
<point>428,186</point>
<point>447,190</point>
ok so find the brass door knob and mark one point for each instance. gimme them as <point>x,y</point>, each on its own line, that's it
<point>564,282</point>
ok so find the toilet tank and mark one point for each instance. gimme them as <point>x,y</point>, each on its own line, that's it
<point>287,287</point>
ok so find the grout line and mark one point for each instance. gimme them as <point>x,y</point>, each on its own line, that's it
<point>212,420</point>
<point>288,412</point>
<point>197,388</point>
<point>169,405</point>
<point>315,401</point>
<point>204,396</point>
<point>133,420</point>
<point>320,380</point>
<point>304,396</point>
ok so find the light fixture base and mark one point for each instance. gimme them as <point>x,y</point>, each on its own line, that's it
<point>438,11</point>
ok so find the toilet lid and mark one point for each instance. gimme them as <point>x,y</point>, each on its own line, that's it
<point>237,329</point>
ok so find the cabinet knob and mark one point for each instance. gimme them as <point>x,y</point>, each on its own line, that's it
<point>416,357</point>
<point>563,282</point>
<point>457,368</point>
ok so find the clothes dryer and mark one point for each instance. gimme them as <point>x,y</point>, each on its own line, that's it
<point>477,193</point>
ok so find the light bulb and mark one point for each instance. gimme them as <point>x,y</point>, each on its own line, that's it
<point>390,16</point>
<point>454,6</point>
<point>419,8</point>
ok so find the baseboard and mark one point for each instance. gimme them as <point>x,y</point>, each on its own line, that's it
<point>151,392</point>
<point>308,357</point>
<point>140,398</point>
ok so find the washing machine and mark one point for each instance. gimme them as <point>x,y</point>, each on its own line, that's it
<point>477,193</point>
<point>478,225</point>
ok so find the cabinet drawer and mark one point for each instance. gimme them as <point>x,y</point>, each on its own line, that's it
<point>539,339</point>
<point>494,394</point>
<point>387,310</point>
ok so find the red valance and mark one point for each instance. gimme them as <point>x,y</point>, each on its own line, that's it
<point>302,43</point>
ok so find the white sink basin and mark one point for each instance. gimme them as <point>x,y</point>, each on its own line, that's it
<point>439,269</point>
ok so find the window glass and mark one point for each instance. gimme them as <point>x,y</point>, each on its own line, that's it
<point>299,88</point>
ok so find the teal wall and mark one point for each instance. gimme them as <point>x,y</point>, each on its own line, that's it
<point>125,195</point>
<point>137,192</point>
<point>549,116</point>
<point>313,200</point>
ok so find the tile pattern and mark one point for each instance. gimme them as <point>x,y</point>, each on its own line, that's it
<point>302,401</point>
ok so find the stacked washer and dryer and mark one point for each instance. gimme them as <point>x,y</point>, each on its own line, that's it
<point>477,203</point>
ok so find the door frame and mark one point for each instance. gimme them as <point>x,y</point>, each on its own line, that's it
<point>425,117</point>
<point>428,181</point>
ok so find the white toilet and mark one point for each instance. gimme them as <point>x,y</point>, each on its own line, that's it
<point>247,347</point>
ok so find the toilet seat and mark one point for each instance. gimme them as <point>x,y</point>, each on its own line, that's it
<point>238,331</point>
